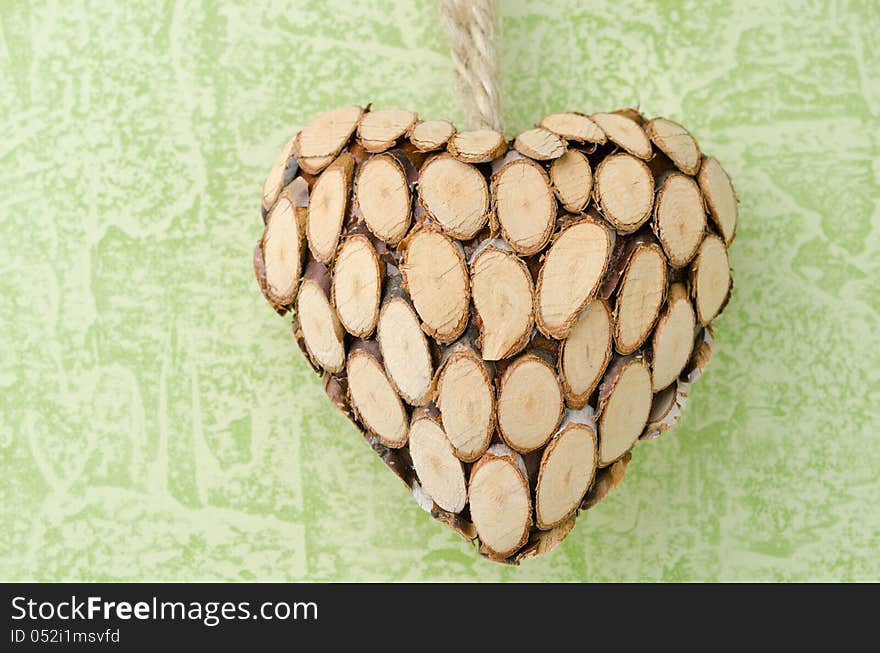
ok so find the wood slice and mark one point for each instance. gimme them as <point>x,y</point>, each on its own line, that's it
<point>455,194</point>
<point>282,250</point>
<point>501,505</point>
<point>530,403</point>
<point>679,218</point>
<point>624,132</point>
<point>405,350</point>
<point>676,142</point>
<point>584,354</point>
<point>373,398</point>
<point>540,144</point>
<point>479,146</point>
<point>639,297</point>
<point>574,127</point>
<point>570,275</point>
<point>328,207</point>
<point>720,197</point>
<point>624,190</point>
<point>624,403</point>
<point>275,179</point>
<point>673,339</point>
<point>382,196</point>
<point>324,137</point>
<point>525,209</point>
<point>466,399</point>
<point>436,278</point>
<point>357,285</point>
<point>321,330</point>
<point>504,299</point>
<point>568,467</point>
<point>572,180</point>
<point>711,282</point>
<point>380,129</point>
<point>431,134</point>
<point>438,470</point>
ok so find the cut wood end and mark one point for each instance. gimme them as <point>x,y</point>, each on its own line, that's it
<point>479,146</point>
<point>574,127</point>
<point>325,136</point>
<point>439,471</point>
<point>524,205</point>
<point>673,339</point>
<point>383,197</point>
<point>437,280</point>
<point>328,207</point>
<point>540,144</point>
<point>676,142</point>
<point>500,505</point>
<point>572,180</point>
<point>321,330</point>
<point>466,399</point>
<point>380,129</point>
<point>568,466</point>
<point>679,218</point>
<point>639,297</point>
<point>357,285</point>
<point>720,197</point>
<point>431,134</point>
<point>624,408</point>
<point>374,400</point>
<point>405,350</point>
<point>584,354</point>
<point>455,194</point>
<point>281,246</point>
<point>624,132</point>
<point>275,179</point>
<point>504,302</point>
<point>530,403</point>
<point>624,189</point>
<point>570,275</point>
<point>711,282</point>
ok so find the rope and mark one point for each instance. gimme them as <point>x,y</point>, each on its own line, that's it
<point>470,30</point>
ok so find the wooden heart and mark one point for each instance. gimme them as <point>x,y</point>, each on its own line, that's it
<point>502,321</point>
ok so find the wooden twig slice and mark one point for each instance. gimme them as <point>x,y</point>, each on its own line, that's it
<point>479,146</point>
<point>373,397</point>
<point>324,137</point>
<point>710,282</point>
<point>584,354</point>
<point>572,180</point>
<point>357,285</point>
<point>501,505</point>
<point>275,180</point>
<point>624,403</point>
<point>328,206</point>
<point>524,206</point>
<point>282,251</point>
<point>383,198</point>
<point>676,142</point>
<point>317,322</point>
<point>439,471</point>
<point>568,466</point>
<point>405,350</point>
<point>624,132</point>
<point>570,275</point>
<point>720,197</point>
<point>574,127</point>
<point>679,218</point>
<point>624,190</point>
<point>380,129</point>
<point>466,399</point>
<point>639,297</point>
<point>673,339</point>
<point>504,302</point>
<point>455,194</point>
<point>431,134</point>
<point>436,278</point>
<point>540,144</point>
<point>530,403</point>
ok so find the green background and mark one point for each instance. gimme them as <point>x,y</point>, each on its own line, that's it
<point>156,419</point>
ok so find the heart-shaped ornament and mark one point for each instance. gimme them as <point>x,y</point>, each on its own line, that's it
<point>502,321</point>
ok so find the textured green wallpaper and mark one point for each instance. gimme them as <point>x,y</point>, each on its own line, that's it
<point>156,419</point>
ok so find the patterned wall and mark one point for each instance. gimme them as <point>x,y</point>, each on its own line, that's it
<point>156,420</point>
